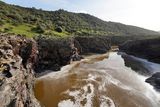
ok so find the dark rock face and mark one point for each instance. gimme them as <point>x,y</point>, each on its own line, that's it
<point>154,80</point>
<point>54,53</point>
<point>148,49</point>
<point>136,65</point>
<point>94,44</point>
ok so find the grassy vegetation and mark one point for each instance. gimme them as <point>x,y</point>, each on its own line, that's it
<point>23,29</point>
<point>27,30</point>
<point>31,22</point>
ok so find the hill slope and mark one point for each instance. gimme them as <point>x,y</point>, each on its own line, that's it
<point>31,21</point>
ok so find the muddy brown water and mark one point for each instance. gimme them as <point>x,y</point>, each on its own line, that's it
<point>97,81</point>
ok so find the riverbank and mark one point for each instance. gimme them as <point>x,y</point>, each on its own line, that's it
<point>148,49</point>
<point>95,81</point>
<point>56,52</point>
<point>22,58</point>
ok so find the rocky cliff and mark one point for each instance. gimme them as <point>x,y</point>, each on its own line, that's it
<point>148,49</point>
<point>154,80</point>
<point>17,55</point>
<point>56,52</point>
<point>20,58</point>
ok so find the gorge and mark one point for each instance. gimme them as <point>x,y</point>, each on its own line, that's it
<point>89,78</point>
<point>66,59</point>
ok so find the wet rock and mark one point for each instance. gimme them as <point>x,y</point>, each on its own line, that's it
<point>154,80</point>
<point>148,49</point>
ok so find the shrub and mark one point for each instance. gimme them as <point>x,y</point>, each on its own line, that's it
<point>39,29</point>
<point>59,29</point>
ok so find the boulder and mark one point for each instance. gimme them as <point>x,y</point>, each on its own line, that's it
<point>154,80</point>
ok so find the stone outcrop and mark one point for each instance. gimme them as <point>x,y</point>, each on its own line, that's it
<point>53,53</point>
<point>154,80</point>
<point>17,55</point>
<point>148,49</point>
<point>57,52</point>
<point>94,44</point>
<point>21,57</point>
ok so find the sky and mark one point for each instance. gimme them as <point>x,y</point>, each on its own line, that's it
<point>142,13</point>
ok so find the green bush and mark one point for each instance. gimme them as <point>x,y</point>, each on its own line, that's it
<point>59,29</point>
<point>39,29</point>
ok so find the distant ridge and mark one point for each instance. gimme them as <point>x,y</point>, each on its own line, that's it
<point>33,21</point>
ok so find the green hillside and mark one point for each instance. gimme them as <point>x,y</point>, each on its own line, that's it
<point>31,21</point>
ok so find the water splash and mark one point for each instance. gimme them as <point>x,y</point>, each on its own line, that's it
<point>96,82</point>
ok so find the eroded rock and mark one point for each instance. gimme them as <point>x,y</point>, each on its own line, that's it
<point>16,77</point>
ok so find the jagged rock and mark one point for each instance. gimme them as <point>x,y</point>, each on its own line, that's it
<point>53,51</point>
<point>16,79</point>
<point>154,80</point>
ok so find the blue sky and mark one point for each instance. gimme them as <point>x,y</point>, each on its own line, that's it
<point>143,13</point>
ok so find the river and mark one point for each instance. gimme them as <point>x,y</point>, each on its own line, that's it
<point>108,80</point>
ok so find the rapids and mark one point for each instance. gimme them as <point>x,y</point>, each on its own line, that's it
<point>99,81</point>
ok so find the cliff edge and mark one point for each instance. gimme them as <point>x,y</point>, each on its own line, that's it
<point>17,56</point>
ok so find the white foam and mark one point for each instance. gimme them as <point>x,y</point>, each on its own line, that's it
<point>67,103</point>
<point>78,96</point>
<point>106,102</point>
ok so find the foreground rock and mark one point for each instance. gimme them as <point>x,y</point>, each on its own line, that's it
<point>17,56</point>
<point>148,49</point>
<point>154,80</point>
